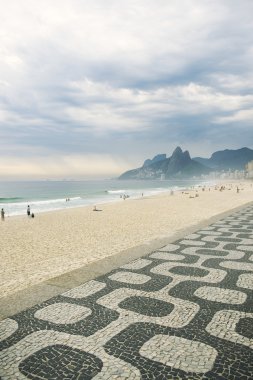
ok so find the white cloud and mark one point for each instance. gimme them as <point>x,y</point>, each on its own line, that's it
<point>97,107</point>
<point>107,108</point>
<point>242,82</point>
<point>102,119</point>
<point>240,116</point>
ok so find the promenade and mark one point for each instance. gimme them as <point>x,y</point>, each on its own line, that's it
<point>183,311</point>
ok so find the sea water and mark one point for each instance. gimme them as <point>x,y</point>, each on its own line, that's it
<point>57,195</point>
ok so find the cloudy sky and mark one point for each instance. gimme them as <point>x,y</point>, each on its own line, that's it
<point>91,88</point>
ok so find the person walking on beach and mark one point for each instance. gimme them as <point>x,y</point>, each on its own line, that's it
<point>2,214</point>
<point>28,210</point>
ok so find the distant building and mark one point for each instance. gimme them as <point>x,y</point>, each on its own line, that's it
<point>229,174</point>
<point>249,169</point>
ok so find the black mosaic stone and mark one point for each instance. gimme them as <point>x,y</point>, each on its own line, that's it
<point>156,283</point>
<point>189,259</point>
<point>229,240</point>
<point>230,247</point>
<point>244,236</point>
<point>147,306</point>
<point>245,327</point>
<point>189,271</point>
<point>240,230</point>
<point>60,362</point>
<point>212,252</point>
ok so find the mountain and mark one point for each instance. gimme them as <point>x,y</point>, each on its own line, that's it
<point>227,159</point>
<point>157,158</point>
<point>179,165</point>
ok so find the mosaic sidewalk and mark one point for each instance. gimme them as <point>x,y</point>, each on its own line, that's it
<point>183,312</point>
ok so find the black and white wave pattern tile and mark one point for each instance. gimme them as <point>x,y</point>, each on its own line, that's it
<point>183,312</point>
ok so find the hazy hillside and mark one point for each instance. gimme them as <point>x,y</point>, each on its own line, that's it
<point>227,159</point>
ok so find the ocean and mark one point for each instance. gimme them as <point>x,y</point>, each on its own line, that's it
<point>50,195</point>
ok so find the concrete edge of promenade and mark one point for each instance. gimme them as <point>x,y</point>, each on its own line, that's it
<point>26,298</point>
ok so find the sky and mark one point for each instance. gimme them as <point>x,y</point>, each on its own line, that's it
<point>91,88</point>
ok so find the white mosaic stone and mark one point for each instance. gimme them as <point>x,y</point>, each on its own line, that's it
<point>213,276</point>
<point>85,290</point>
<point>226,229</point>
<point>130,278</point>
<point>245,247</point>
<point>208,228</point>
<point>192,242</point>
<point>7,327</point>
<point>223,225</point>
<point>223,326</point>
<point>170,248</point>
<point>63,313</point>
<point>248,242</point>
<point>234,255</point>
<point>137,264</point>
<point>211,233</point>
<point>237,265</point>
<point>180,316</point>
<point>245,280</point>
<point>166,256</point>
<point>180,353</point>
<point>229,255</point>
<point>192,236</point>
<point>211,239</point>
<point>233,297</point>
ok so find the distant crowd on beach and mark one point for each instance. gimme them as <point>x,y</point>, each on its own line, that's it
<point>28,211</point>
<point>216,187</point>
<point>124,196</point>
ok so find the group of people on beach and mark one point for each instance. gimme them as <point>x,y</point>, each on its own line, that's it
<point>124,196</point>
<point>29,214</point>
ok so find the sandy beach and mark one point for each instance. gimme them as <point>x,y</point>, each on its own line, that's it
<point>34,250</point>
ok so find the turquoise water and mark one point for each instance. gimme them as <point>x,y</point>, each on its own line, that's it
<point>51,195</point>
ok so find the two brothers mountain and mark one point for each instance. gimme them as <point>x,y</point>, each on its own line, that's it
<point>181,165</point>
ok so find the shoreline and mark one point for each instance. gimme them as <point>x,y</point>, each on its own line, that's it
<point>112,201</point>
<point>149,191</point>
<point>204,183</point>
<point>57,242</point>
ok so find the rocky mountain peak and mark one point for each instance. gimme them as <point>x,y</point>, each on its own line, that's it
<point>187,155</point>
<point>157,158</point>
<point>177,152</point>
<point>179,156</point>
